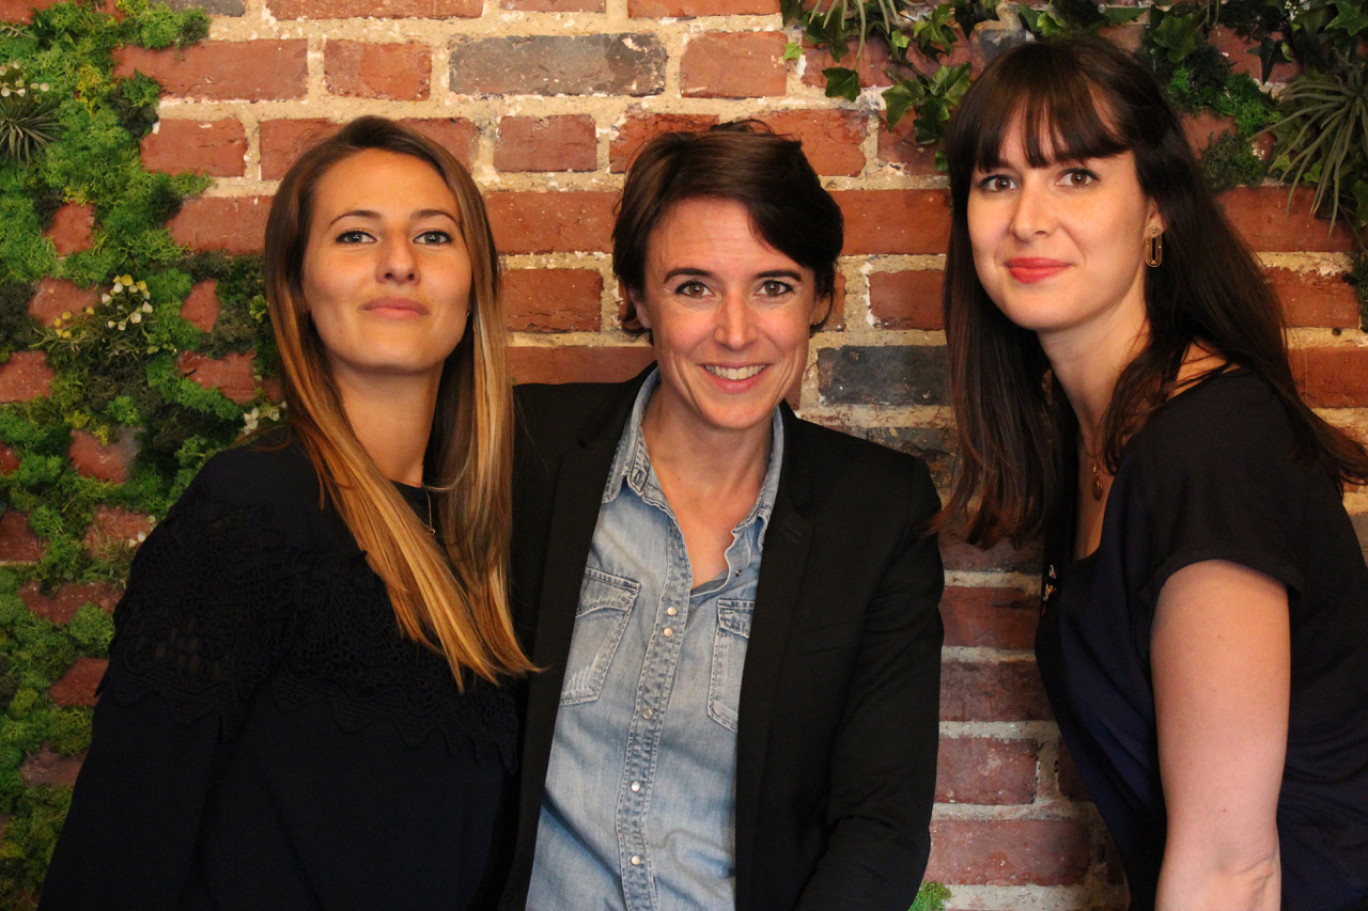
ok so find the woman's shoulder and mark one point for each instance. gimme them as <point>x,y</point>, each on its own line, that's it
<point>857,469</point>
<point>264,470</point>
<point>1232,417</point>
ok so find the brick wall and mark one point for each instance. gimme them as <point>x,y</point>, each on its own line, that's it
<point>545,100</point>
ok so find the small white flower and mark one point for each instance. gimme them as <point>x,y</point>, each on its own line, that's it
<point>146,308</point>
<point>117,289</point>
<point>20,91</point>
<point>4,92</point>
<point>110,324</point>
<point>104,298</point>
<point>123,324</point>
<point>42,86</point>
<point>136,317</point>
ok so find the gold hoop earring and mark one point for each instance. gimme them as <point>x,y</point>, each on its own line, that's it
<point>1154,250</point>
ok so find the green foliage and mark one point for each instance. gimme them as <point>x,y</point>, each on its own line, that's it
<point>1230,162</point>
<point>1358,277</point>
<point>115,363</point>
<point>932,896</point>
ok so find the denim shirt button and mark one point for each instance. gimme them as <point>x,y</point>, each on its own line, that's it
<point>671,611</point>
<point>636,860</point>
<point>669,631</point>
<point>635,786</point>
<point>648,714</point>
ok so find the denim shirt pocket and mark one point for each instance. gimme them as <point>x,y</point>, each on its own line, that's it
<point>729,659</point>
<point>605,605</point>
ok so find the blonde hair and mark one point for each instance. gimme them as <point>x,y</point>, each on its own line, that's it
<point>449,591</point>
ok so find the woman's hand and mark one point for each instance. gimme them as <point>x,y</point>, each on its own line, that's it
<point>1221,658</point>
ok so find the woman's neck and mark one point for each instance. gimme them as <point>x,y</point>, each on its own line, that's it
<point>1088,370</point>
<point>393,422</point>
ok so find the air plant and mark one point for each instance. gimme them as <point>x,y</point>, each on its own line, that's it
<point>28,114</point>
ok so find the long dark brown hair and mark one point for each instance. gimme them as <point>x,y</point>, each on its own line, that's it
<point>1075,99</point>
<point>450,594</point>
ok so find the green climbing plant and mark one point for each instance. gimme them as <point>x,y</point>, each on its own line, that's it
<point>69,134</point>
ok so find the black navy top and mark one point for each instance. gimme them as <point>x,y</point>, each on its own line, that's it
<point>265,737</point>
<point>1211,477</point>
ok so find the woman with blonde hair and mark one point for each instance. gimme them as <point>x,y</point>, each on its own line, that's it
<point>305,704</point>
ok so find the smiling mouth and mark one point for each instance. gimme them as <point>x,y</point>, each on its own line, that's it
<point>734,373</point>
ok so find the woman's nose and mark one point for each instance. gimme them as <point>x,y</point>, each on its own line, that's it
<point>1033,213</point>
<point>397,262</point>
<point>735,324</point>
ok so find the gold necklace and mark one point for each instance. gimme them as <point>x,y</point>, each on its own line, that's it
<point>1096,471</point>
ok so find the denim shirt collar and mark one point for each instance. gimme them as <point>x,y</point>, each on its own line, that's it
<point>632,463</point>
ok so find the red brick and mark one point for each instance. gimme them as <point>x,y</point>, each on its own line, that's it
<point>1005,690</point>
<point>871,65</point>
<point>18,543</point>
<point>9,459</point>
<point>564,143</point>
<point>639,127</point>
<point>564,221</point>
<point>213,147</point>
<point>114,530</point>
<point>895,221</point>
<point>1204,128</point>
<point>71,228</point>
<point>681,9</point>
<point>457,135</point>
<point>95,460</point>
<point>989,617</point>
<point>230,374</point>
<point>283,141</point>
<point>1312,299</point>
<point>233,224</point>
<point>26,375</point>
<point>60,606</point>
<point>77,686</point>
<point>201,306</point>
<point>1009,852</point>
<point>1001,557</point>
<point>1237,50</point>
<point>1263,218</point>
<point>733,65</point>
<point>577,365</point>
<point>48,768</point>
<point>375,9</point>
<point>21,11</point>
<point>553,300</point>
<point>223,70</point>
<point>899,147</point>
<point>982,770</point>
<point>907,300</point>
<point>832,140</point>
<point>632,64</point>
<point>394,72</point>
<point>553,6</point>
<point>1332,377</point>
<point>56,296</point>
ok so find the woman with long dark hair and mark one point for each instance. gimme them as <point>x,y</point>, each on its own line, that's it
<point>1121,382</point>
<point>304,704</point>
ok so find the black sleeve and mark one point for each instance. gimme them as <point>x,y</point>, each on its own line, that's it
<point>207,610</point>
<point>883,765</point>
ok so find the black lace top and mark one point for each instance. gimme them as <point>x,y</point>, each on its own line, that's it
<point>265,736</point>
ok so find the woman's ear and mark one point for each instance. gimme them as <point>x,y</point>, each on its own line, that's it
<point>636,307</point>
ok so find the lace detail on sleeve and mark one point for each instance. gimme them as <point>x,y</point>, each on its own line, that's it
<point>351,655</point>
<point>208,611</point>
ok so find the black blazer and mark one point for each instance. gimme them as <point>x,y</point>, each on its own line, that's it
<point>837,730</point>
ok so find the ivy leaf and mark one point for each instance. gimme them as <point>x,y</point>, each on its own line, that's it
<point>1270,53</point>
<point>792,51</point>
<point>900,98</point>
<point>943,93</point>
<point>1120,15</point>
<point>828,34</point>
<point>1043,23</point>
<point>935,33</point>
<point>842,83</point>
<point>1352,17</point>
<point>1177,36</point>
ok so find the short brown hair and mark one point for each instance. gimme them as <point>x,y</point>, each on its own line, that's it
<point>743,161</point>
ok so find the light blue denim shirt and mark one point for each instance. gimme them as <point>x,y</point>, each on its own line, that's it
<point>640,791</point>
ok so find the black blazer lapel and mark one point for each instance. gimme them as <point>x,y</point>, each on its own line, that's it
<point>787,541</point>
